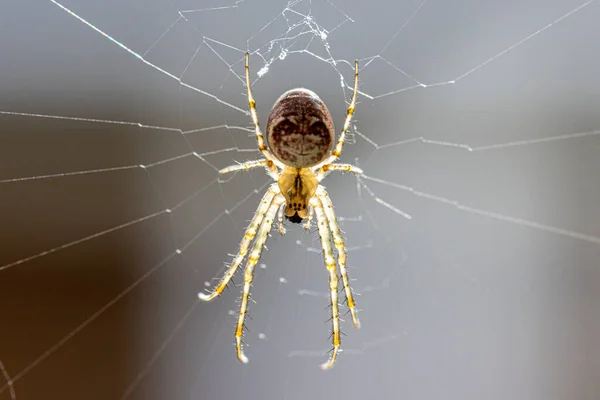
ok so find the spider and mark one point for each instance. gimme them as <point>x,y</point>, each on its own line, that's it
<point>300,135</point>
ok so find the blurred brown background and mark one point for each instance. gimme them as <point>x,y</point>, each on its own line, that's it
<point>489,291</point>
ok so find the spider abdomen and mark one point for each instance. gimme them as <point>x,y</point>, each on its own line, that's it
<point>300,130</point>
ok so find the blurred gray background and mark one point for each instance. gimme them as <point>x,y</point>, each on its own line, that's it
<point>490,291</point>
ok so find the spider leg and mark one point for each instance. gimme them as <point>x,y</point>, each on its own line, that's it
<point>254,114</point>
<point>338,147</point>
<point>341,250</point>
<point>280,220</point>
<point>337,151</point>
<point>325,235</point>
<point>337,167</point>
<point>274,172</point>
<point>311,213</point>
<point>262,209</point>
<point>263,233</point>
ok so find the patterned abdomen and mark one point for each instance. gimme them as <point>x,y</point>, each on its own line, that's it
<point>300,131</point>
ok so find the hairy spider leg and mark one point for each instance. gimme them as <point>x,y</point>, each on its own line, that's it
<point>338,241</point>
<point>280,220</point>
<point>325,235</point>
<point>261,211</point>
<point>273,171</point>
<point>322,172</point>
<point>254,114</point>
<point>311,213</point>
<point>263,233</point>
<point>337,151</point>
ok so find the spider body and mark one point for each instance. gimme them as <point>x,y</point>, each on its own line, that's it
<point>300,130</point>
<point>300,134</point>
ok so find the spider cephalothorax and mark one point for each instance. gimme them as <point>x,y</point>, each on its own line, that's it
<point>300,134</point>
<point>298,186</point>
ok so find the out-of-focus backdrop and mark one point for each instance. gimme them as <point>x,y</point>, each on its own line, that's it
<point>478,119</point>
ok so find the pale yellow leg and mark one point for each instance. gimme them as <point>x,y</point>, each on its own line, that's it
<point>311,213</point>
<point>274,172</point>
<point>254,114</point>
<point>338,147</point>
<point>337,167</point>
<point>263,233</point>
<point>280,220</point>
<point>341,250</point>
<point>324,233</point>
<point>337,151</point>
<point>263,207</point>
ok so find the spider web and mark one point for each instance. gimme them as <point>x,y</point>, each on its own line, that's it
<point>473,237</point>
